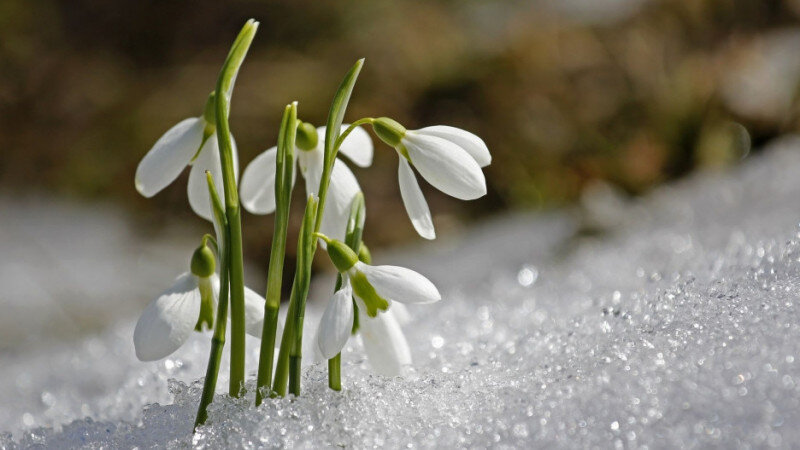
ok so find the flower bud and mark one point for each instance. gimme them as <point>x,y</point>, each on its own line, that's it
<point>389,130</point>
<point>307,137</point>
<point>203,262</point>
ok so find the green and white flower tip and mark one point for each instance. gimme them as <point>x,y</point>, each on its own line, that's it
<point>374,287</point>
<point>448,158</point>
<point>257,190</point>
<point>191,142</point>
<point>189,304</point>
<point>384,342</point>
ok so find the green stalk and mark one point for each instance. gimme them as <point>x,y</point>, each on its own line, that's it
<point>350,129</point>
<point>223,91</point>
<point>283,197</point>
<point>355,229</point>
<point>282,366</point>
<point>218,339</point>
<point>303,273</point>
<point>290,353</point>
<point>306,252</point>
<point>335,372</point>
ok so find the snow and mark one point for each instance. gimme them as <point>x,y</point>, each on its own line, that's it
<point>664,322</point>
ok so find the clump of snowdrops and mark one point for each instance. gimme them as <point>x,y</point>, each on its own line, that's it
<point>368,298</point>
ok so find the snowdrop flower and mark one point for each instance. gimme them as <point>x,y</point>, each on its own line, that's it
<point>374,288</point>
<point>189,304</point>
<point>191,142</point>
<point>448,158</point>
<point>384,342</point>
<point>257,190</point>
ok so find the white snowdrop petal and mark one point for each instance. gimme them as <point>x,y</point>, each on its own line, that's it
<point>313,349</point>
<point>215,285</point>
<point>197,188</point>
<point>336,323</point>
<point>310,165</point>
<point>400,284</point>
<point>446,166</point>
<point>357,146</point>
<point>258,183</point>
<point>384,343</point>
<point>341,191</point>
<point>169,156</point>
<point>253,312</point>
<point>414,201</point>
<point>464,139</point>
<point>400,312</point>
<point>167,321</point>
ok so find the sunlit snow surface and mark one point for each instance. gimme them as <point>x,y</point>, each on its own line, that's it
<point>678,327</point>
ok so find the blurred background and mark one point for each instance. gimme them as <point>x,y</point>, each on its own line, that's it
<point>570,95</point>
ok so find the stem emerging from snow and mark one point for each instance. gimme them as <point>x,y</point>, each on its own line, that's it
<point>220,326</point>
<point>355,229</point>
<point>283,197</point>
<point>224,89</point>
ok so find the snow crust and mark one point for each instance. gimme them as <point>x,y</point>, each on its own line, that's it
<point>672,322</point>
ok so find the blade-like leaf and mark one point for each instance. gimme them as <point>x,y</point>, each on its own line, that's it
<point>338,108</point>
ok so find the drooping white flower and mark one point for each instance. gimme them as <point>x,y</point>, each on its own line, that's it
<point>257,190</point>
<point>337,322</point>
<point>189,304</point>
<point>382,336</point>
<point>384,342</point>
<point>192,142</point>
<point>375,288</point>
<point>449,158</point>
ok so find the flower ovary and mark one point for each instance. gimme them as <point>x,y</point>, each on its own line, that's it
<point>307,138</point>
<point>389,130</point>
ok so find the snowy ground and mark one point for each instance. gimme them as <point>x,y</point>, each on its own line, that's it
<point>675,327</point>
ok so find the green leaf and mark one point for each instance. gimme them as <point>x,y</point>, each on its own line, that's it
<point>230,69</point>
<point>307,239</point>
<point>224,89</point>
<point>285,158</point>
<point>338,108</point>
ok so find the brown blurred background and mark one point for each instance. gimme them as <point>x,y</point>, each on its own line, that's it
<point>564,92</point>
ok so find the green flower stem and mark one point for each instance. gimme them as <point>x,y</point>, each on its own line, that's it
<point>283,196</point>
<point>335,363</point>
<point>349,129</point>
<point>207,238</point>
<point>282,366</point>
<point>355,229</point>
<point>306,248</point>
<point>224,89</point>
<point>218,339</point>
<point>335,372</point>
<point>303,274</point>
<point>290,352</point>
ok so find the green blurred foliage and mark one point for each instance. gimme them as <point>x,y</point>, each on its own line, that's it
<point>564,93</point>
